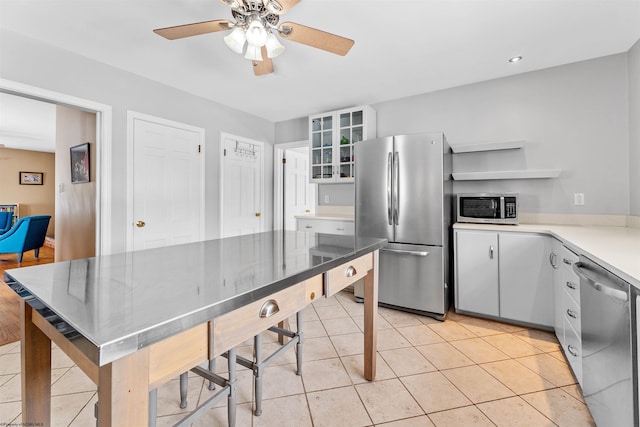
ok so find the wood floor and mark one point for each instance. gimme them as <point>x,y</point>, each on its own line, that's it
<point>9,301</point>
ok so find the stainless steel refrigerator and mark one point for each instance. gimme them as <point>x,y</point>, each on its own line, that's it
<point>404,194</point>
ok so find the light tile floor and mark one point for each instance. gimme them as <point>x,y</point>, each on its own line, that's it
<point>462,372</point>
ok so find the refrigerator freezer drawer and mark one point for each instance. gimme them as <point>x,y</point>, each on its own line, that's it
<point>412,277</point>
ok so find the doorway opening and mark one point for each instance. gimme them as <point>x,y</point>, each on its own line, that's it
<point>103,126</point>
<point>293,194</point>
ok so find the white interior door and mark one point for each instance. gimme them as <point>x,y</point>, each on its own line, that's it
<point>242,191</point>
<point>167,190</point>
<point>299,194</point>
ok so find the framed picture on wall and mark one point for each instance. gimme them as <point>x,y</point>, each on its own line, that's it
<point>80,163</point>
<point>31,178</point>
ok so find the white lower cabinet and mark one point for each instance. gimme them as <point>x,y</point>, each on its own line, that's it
<point>569,310</point>
<point>476,275</point>
<point>526,278</point>
<point>505,275</point>
<point>572,348</point>
<point>558,289</point>
<point>327,226</point>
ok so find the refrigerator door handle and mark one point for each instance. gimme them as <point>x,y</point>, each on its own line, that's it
<point>396,187</point>
<point>406,252</point>
<point>389,199</point>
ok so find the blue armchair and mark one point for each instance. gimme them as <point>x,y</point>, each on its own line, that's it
<point>5,221</point>
<point>28,233</point>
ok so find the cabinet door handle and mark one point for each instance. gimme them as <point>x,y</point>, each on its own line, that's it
<point>567,261</point>
<point>552,260</point>
<point>351,271</point>
<point>571,285</point>
<point>571,313</point>
<point>571,349</point>
<point>491,252</point>
<point>308,226</point>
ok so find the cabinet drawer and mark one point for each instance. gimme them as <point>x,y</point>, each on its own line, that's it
<point>327,226</point>
<point>571,311</point>
<point>313,289</point>
<point>572,287</point>
<point>235,327</point>
<point>346,274</point>
<point>571,282</point>
<point>573,350</point>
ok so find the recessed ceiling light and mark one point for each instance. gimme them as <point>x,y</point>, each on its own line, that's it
<point>515,59</point>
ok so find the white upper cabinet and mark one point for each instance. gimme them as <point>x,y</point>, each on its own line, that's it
<point>332,137</point>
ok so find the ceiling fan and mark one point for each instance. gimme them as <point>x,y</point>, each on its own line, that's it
<point>255,22</point>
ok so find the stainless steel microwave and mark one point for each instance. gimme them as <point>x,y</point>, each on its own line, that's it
<point>487,208</point>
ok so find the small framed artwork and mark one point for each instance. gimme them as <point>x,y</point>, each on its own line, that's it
<point>80,163</point>
<point>31,178</point>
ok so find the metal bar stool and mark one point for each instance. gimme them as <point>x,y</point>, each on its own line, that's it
<point>258,364</point>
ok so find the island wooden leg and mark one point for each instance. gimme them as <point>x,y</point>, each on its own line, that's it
<point>370,316</point>
<point>123,391</point>
<point>35,349</point>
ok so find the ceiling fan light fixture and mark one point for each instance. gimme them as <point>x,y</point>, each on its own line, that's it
<point>274,47</point>
<point>253,53</point>
<point>235,40</point>
<point>256,33</point>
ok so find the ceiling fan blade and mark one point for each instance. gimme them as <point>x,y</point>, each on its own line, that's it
<point>316,38</point>
<point>263,67</point>
<point>195,29</point>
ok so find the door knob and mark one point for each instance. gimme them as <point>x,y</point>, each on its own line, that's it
<point>258,213</point>
<point>140,224</point>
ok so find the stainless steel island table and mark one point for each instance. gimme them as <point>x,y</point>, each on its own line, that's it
<point>133,321</point>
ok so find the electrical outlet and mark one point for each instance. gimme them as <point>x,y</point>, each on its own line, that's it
<point>578,199</point>
<point>326,198</point>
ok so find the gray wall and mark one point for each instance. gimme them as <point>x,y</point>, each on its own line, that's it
<point>634,129</point>
<point>35,63</point>
<point>292,130</point>
<point>573,117</point>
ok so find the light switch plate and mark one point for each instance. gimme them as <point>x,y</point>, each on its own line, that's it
<point>578,199</point>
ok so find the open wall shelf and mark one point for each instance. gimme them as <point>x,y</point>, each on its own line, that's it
<point>493,175</point>
<point>491,146</point>
<point>515,174</point>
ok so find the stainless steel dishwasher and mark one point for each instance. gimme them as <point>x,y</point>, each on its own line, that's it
<point>607,345</point>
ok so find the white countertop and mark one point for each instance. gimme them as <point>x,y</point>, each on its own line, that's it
<point>334,217</point>
<point>615,248</point>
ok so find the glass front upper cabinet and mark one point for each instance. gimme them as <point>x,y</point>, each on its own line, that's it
<point>333,138</point>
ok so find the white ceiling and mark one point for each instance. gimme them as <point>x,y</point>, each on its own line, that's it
<point>402,48</point>
<point>26,124</point>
